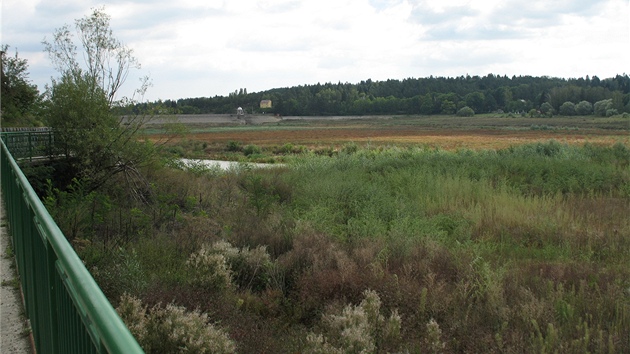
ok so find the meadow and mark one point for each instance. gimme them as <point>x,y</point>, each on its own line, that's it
<point>321,134</point>
<point>506,235</point>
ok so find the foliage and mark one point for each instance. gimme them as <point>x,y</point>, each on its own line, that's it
<point>601,108</point>
<point>547,108</point>
<point>209,268</point>
<point>106,60</point>
<point>358,329</point>
<point>466,112</point>
<point>94,142</point>
<point>584,108</point>
<point>611,112</point>
<point>251,149</point>
<point>79,210</point>
<point>522,249</point>
<point>118,271</point>
<point>233,146</point>
<point>172,329</point>
<point>567,109</point>
<point>19,96</point>
<point>426,96</point>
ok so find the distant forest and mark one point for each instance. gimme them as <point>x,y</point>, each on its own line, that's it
<point>432,95</point>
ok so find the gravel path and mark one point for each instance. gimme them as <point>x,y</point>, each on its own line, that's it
<point>12,322</point>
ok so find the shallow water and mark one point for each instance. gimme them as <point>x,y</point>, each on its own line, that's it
<point>226,165</point>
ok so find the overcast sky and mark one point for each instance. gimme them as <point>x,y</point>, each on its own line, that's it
<point>201,48</point>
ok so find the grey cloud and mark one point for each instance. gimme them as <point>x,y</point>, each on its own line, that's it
<point>512,19</point>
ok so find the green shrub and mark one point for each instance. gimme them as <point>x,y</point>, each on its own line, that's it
<point>584,108</point>
<point>533,113</point>
<point>611,112</point>
<point>209,268</point>
<point>251,150</point>
<point>350,148</point>
<point>547,109</point>
<point>567,109</point>
<point>466,112</point>
<point>233,146</point>
<point>222,265</point>
<point>289,148</point>
<point>358,329</point>
<point>602,107</point>
<point>172,329</point>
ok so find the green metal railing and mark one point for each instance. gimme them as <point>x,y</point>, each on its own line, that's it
<point>68,311</point>
<point>29,144</point>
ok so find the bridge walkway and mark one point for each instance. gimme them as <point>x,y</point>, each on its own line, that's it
<point>14,329</point>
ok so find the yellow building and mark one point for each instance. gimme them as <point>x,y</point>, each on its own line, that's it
<point>265,104</point>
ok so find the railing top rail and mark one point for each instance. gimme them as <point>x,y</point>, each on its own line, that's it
<point>24,129</point>
<point>113,333</point>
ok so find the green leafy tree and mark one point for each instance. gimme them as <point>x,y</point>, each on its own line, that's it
<point>106,61</point>
<point>517,106</point>
<point>617,101</point>
<point>448,107</point>
<point>584,108</point>
<point>567,109</point>
<point>96,143</point>
<point>601,107</point>
<point>18,95</point>
<point>533,113</point>
<point>426,104</point>
<point>546,108</point>
<point>475,100</point>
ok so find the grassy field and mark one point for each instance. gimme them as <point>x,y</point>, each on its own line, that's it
<point>445,132</point>
<point>404,234</point>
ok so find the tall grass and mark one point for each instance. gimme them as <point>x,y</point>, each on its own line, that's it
<point>518,250</point>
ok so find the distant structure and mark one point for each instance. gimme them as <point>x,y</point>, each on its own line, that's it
<point>265,104</point>
<point>239,112</point>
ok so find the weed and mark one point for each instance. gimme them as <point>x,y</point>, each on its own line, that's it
<point>358,329</point>
<point>14,283</point>
<point>8,252</point>
<point>172,329</point>
<point>26,330</point>
<point>233,146</point>
<point>250,150</point>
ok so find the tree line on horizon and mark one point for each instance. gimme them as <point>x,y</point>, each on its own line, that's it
<point>425,96</point>
<point>463,95</point>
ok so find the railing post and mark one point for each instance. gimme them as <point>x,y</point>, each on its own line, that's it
<point>30,146</point>
<point>50,143</point>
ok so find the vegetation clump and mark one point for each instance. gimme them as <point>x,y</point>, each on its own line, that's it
<point>358,329</point>
<point>173,329</point>
<point>466,112</point>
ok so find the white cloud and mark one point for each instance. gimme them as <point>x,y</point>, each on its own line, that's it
<point>197,48</point>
